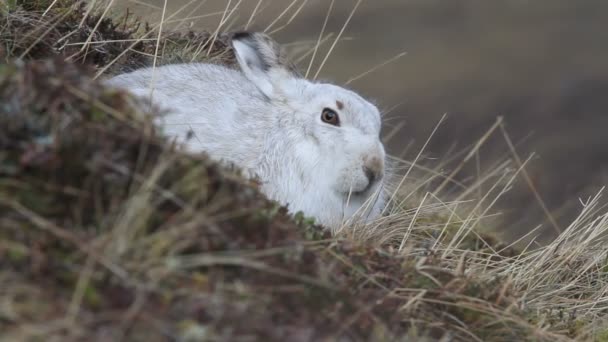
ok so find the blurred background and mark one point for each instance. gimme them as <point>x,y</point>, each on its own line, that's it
<point>540,64</point>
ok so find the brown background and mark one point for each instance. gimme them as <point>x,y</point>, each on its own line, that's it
<point>539,63</point>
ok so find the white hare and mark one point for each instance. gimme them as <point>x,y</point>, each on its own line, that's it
<point>315,147</point>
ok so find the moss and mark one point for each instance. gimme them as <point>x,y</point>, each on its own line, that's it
<point>602,336</point>
<point>14,252</point>
<point>92,297</point>
<point>303,221</point>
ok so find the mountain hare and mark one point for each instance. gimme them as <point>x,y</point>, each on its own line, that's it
<point>315,147</point>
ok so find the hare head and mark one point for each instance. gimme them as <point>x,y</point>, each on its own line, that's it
<point>324,153</point>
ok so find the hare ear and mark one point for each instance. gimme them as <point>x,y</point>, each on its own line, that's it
<point>262,61</point>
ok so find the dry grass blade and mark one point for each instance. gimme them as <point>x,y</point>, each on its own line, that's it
<point>105,68</point>
<point>160,32</point>
<point>375,67</point>
<point>392,197</point>
<point>65,235</point>
<point>471,154</point>
<point>253,14</point>
<point>530,183</point>
<point>333,45</point>
<point>278,17</point>
<point>320,39</point>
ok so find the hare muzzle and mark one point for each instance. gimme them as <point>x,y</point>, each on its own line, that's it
<point>373,168</point>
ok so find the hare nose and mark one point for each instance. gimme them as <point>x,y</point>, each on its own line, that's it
<point>373,167</point>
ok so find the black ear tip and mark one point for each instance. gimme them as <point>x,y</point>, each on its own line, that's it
<point>241,35</point>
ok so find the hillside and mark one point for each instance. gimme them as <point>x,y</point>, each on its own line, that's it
<point>109,232</point>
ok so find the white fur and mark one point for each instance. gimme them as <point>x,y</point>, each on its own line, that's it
<point>267,121</point>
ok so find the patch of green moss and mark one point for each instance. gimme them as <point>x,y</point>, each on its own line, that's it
<point>602,336</point>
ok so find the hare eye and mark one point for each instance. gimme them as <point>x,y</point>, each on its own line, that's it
<point>330,116</point>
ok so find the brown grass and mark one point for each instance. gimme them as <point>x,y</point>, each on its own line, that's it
<point>109,232</point>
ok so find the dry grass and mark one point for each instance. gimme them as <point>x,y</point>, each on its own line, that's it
<point>108,232</point>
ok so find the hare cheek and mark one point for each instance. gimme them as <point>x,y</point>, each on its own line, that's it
<point>310,136</point>
<point>350,179</point>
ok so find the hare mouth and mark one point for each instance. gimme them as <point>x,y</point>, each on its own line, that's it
<point>363,193</point>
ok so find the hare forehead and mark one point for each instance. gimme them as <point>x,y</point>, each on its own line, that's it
<point>361,113</point>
